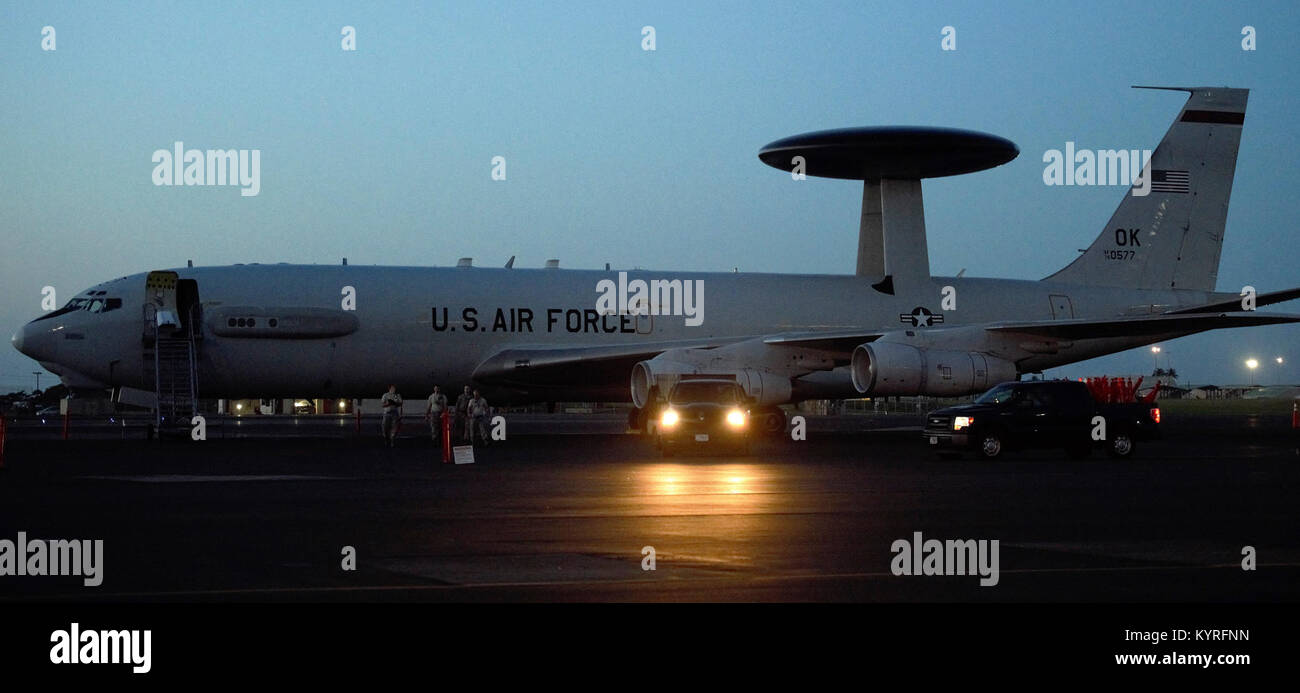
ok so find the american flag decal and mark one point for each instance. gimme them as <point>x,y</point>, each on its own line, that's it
<point>1171,182</point>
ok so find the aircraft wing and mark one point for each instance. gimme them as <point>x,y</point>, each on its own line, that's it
<point>527,367</point>
<point>559,368</point>
<point>1168,323</point>
<point>1267,299</point>
<point>843,341</point>
<point>541,367</point>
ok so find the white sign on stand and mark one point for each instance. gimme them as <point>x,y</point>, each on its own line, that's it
<point>463,454</point>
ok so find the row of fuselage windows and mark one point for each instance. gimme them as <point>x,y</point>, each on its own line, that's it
<point>250,322</point>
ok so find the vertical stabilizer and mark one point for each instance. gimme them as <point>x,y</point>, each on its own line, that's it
<point>1171,237</point>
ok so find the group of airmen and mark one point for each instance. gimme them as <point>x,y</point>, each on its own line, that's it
<point>470,415</point>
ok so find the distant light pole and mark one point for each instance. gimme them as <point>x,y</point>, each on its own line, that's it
<point>1252,364</point>
<point>1155,355</point>
<point>38,380</point>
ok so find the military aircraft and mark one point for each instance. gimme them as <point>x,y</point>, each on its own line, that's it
<point>550,334</point>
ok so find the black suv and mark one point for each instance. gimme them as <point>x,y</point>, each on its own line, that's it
<point>705,411</point>
<point>1041,414</point>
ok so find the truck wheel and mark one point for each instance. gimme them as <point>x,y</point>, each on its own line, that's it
<point>773,422</point>
<point>991,445</point>
<point>1121,446</point>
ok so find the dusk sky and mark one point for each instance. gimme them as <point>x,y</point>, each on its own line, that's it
<point>614,153</point>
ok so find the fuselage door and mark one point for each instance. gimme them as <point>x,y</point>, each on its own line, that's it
<point>160,293</point>
<point>1061,307</point>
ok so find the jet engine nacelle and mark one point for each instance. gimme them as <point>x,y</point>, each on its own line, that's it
<point>765,387</point>
<point>889,368</point>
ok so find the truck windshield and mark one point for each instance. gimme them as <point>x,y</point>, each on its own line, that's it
<point>687,392</point>
<point>997,395</point>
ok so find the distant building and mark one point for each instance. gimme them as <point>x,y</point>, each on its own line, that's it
<point>1274,391</point>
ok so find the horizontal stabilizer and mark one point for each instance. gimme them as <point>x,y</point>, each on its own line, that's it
<point>1267,299</point>
<point>1142,325</point>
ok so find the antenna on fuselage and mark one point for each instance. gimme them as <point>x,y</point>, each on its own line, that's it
<point>890,162</point>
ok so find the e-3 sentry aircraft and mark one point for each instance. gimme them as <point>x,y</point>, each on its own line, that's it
<point>577,335</point>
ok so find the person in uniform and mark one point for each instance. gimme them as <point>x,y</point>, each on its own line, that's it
<point>478,412</point>
<point>462,423</point>
<point>433,413</point>
<point>392,404</point>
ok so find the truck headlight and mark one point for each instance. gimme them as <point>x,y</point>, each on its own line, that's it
<point>961,422</point>
<point>669,419</point>
<point>736,418</point>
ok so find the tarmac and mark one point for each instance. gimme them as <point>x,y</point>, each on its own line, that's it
<point>573,508</point>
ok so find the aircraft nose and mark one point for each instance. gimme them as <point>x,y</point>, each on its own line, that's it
<point>32,343</point>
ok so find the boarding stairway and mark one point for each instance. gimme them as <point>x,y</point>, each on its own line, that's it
<point>170,358</point>
<point>175,380</point>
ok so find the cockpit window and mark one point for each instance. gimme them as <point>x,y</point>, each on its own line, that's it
<point>93,305</point>
<point>74,304</point>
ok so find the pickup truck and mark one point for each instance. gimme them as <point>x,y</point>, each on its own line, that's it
<point>705,411</point>
<point>1041,414</point>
